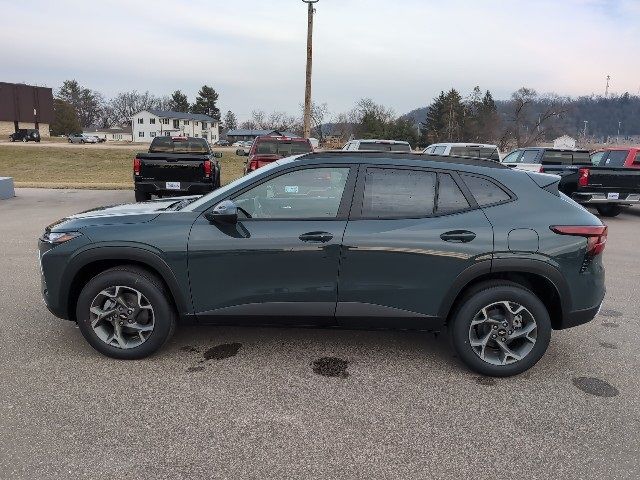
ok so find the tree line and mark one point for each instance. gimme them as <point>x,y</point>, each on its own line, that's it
<point>77,107</point>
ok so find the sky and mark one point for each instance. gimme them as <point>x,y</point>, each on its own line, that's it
<point>400,53</point>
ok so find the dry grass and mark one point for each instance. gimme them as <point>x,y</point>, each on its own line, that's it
<point>83,166</point>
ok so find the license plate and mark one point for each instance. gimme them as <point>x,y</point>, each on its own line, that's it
<point>173,185</point>
<point>613,196</point>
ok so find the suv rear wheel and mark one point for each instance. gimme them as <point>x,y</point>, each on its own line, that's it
<point>500,329</point>
<point>125,313</point>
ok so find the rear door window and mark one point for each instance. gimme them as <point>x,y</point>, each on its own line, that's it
<point>552,157</point>
<point>439,150</point>
<point>529,156</point>
<point>465,152</point>
<point>450,197</point>
<point>398,193</point>
<point>485,191</point>
<point>616,158</point>
<point>512,157</point>
<point>596,158</point>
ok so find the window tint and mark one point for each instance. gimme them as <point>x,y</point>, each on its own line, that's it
<point>450,197</point>
<point>385,147</point>
<point>465,151</point>
<point>512,157</point>
<point>529,156</point>
<point>173,145</point>
<point>616,158</point>
<point>439,150</point>
<point>282,148</point>
<point>392,193</point>
<point>306,193</point>
<point>484,191</point>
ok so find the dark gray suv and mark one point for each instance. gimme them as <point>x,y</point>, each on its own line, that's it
<point>345,239</point>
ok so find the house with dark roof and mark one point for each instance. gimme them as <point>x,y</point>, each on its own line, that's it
<point>151,123</point>
<point>243,134</point>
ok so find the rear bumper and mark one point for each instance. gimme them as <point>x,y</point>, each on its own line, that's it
<point>188,188</point>
<point>579,317</point>
<point>599,198</point>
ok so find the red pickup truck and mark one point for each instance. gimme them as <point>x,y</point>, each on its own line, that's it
<point>628,157</point>
<point>267,149</point>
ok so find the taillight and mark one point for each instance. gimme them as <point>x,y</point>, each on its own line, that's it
<point>541,169</point>
<point>583,177</point>
<point>253,165</point>
<point>207,169</point>
<point>596,236</point>
<point>136,166</point>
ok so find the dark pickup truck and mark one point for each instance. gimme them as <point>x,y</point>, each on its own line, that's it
<point>176,166</point>
<point>607,187</point>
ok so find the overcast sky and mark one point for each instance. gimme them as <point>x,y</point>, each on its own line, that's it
<point>400,53</point>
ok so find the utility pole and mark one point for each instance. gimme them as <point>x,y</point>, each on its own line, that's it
<point>306,132</point>
<point>606,90</point>
<point>584,132</point>
<point>618,139</point>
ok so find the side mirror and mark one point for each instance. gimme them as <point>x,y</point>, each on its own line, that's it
<point>225,212</point>
<point>217,154</point>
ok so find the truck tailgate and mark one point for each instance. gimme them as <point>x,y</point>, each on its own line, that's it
<point>620,180</point>
<point>172,167</point>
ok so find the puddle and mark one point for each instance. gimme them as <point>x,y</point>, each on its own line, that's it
<point>610,313</point>
<point>610,324</point>
<point>595,386</point>
<point>486,381</point>
<point>331,367</point>
<point>196,368</point>
<point>189,348</point>
<point>220,352</point>
<point>612,346</point>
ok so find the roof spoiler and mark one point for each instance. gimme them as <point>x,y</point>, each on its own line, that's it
<point>546,181</point>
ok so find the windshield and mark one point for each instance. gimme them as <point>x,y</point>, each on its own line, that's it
<point>385,147</point>
<point>282,148</point>
<point>238,181</point>
<point>173,145</point>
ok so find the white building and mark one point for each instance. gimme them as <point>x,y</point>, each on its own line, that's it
<point>148,124</point>
<point>565,142</point>
<point>122,134</point>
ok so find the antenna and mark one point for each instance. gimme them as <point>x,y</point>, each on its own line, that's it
<point>606,90</point>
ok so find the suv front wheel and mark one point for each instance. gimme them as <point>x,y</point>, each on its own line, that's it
<point>125,313</point>
<point>500,329</point>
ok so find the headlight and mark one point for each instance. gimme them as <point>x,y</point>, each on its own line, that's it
<point>56,238</point>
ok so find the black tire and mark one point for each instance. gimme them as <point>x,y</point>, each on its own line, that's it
<point>151,287</point>
<point>11,139</point>
<point>218,183</point>
<point>69,141</point>
<point>24,139</point>
<point>142,196</point>
<point>609,210</point>
<point>485,294</point>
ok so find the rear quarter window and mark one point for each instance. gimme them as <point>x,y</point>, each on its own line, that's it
<point>616,158</point>
<point>485,191</point>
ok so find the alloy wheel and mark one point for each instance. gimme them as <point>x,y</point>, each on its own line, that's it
<point>503,333</point>
<point>121,317</point>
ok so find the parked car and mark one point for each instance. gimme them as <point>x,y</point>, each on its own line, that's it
<point>349,239</point>
<point>628,157</point>
<point>476,150</point>
<point>268,149</point>
<point>25,135</point>
<point>222,143</point>
<point>81,138</point>
<point>609,188</point>
<point>242,143</point>
<point>176,166</point>
<point>378,145</point>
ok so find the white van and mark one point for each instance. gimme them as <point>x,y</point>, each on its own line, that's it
<point>477,150</point>
<point>378,145</point>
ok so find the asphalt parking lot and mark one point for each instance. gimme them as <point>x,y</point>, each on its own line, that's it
<point>222,402</point>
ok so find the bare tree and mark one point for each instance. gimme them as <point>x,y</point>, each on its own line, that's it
<point>126,104</point>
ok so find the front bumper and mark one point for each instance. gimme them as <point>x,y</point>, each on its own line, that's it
<point>606,198</point>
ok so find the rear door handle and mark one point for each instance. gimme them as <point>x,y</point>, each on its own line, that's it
<point>321,237</point>
<point>458,236</point>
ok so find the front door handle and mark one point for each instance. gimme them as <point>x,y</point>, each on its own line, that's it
<point>458,236</point>
<point>321,237</point>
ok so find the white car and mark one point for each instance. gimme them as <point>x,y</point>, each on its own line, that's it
<point>477,150</point>
<point>378,145</point>
<point>82,138</point>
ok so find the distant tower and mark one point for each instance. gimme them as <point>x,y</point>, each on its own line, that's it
<point>606,90</point>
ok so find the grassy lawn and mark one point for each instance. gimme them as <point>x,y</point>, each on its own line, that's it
<point>84,167</point>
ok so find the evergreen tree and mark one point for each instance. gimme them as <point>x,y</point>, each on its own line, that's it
<point>179,102</point>
<point>230,121</point>
<point>65,119</point>
<point>206,102</point>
